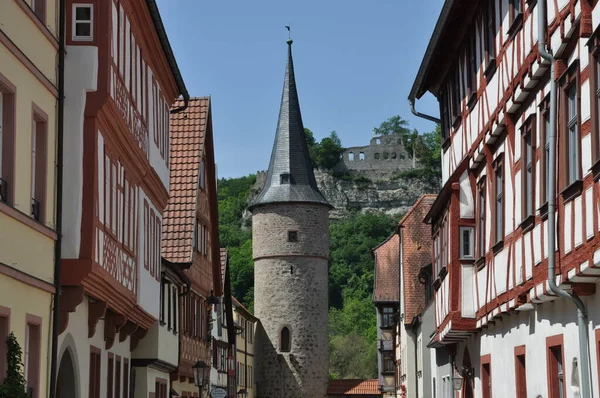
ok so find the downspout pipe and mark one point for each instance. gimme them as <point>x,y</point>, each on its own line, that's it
<point>411,102</point>
<point>59,196</point>
<point>582,318</point>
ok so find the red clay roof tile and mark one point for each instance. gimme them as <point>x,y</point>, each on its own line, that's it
<point>353,387</point>
<point>188,129</point>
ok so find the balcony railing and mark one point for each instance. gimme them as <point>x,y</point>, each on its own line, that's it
<point>3,191</point>
<point>35,209</point>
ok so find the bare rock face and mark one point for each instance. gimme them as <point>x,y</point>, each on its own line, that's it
<point>365,191</point>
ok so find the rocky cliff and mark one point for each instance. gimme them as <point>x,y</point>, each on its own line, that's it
<point>370,190</point>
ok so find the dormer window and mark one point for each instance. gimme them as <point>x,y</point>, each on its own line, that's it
<point>292,236</point>
<point>286,178</point>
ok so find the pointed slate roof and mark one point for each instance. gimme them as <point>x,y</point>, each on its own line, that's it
<point>290,177</point>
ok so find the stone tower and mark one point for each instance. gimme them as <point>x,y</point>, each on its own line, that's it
<point>290,234</point>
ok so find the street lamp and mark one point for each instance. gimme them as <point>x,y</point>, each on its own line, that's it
<point>201,375</point>
<point>458,381</point>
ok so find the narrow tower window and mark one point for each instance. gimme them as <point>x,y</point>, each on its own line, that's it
<point>285,340</point>
<point>292,236</point>
<point>285,178</point>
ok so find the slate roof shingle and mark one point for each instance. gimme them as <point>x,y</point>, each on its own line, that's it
<point>188,131</point>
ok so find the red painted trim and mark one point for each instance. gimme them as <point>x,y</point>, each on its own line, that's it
<point>552,342</point>
<point>520,372</point>
<point>17,53</point>
<point>39,22</point>
<point>4,332</point>
<point>486,375</point>
<point>34,336</point>
<point>26,278</point>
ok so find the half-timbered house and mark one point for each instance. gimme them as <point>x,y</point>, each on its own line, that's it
<point>122,81</point>
<point>191,238</point>
<point>508,75</point>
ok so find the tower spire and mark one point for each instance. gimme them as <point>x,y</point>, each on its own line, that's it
<point>290,177</point>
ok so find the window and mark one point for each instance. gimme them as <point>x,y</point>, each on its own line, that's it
<point>520,372</point>
<point>205,241</point>
<point>455,91</point>
<point>110,376</point>
<point>490,32</point>
<point>250,332</point>
<point>174,308</point>
<point>202,175</point>
<point>498,196</point>
<point>129,215</point>
<point>573,136</point>
<point>361,156</point>
<point>528,171</point>
<point>595,96</point>
<point>486,377</point>
<point>39,8</point>
<point>161,310</point>
<point>126,378</point>
<point>387,317</point>
<point>481,218</point>
<point>160,388</point>
<point>4,328</point>
<point>198,240</point>
<point>545,127</point>
<point>94,386</point>
<point>472,66</point>
<point>515,9</point>
<point>7,139</point>
<point>466,243</point>
<point>38,166</point>
<point>169,304</point>
<point>388,362</point>
<point>555,367</point>
<point>292,236</point>
<point>351,156</point>
<point>285,178</point>
<point>32,357</point>
<point>285,340</point>
<point>83,22</point>
<point>117,377</point>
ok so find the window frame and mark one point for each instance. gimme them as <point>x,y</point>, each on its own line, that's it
<point>387,362</point>
<point>528,171</point>
<point>520,372</point>
<point>387,317</point>
<point>594,62</point>
<point>552,361</point>
<point>7,140</point>
<point>32,354</point>
<point>39,159</point>
<point>74,22</point>
<point>486,376</point>
<point>515,16</point>
<point>490,38</point>
<point>481,218</point>
<point>39,9</point>
<point>570,82</point>
<point>545,170</point>
<point>499,201</point>
<point>462,254</point>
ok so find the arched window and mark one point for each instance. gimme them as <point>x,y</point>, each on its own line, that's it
<point>386,155</point>
<point>351,156</point>
<point>361,156</point>
<point>285,340</point>
<point>377,156</point>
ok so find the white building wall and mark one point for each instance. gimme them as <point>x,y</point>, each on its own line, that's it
<point>81,67</point>
<point>75,339</point>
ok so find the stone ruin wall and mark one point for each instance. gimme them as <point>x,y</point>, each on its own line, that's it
<point>384,153</point>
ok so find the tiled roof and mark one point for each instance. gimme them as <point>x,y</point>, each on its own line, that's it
<point>387,268</point>
<point>188,129</point>
<point>353,387</point>
<point>416,249</point>
<point>243,309</point>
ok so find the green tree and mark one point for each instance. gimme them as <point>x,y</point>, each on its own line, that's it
<point>329,151</point>
<point>313,146</point>
<point>14,384</point>
<point>351,356</point>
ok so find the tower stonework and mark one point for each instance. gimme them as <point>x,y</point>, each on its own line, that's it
<point>290,235</point>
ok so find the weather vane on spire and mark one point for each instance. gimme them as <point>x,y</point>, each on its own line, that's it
<point>289,32</point>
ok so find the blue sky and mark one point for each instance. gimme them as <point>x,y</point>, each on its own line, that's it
<point>355,62</point>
